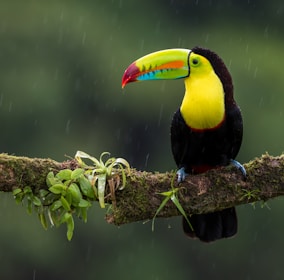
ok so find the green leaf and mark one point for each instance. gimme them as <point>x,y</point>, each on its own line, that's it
<point>168,193</point>
<point>29,205</point>
<point>70,229</point>
<point>83,214</point>
<point>68,197</point>
<point>123,180</point>
<point>43,221</point>
<point>68,219</point>
<point>75,192</point>
<point>79,155</point>
<point>50,198</point>
<point>162,205</point>
<point>78,172</point>
<point>120,162</point>
<point>180,209</point>
<point>54,218</point>
<point>64,174</point>
<point>65,203</point>
<point>36,201</point>
<point>56,205</point>
<point>51,180</point>
<point>101,189</point>
<point>123,162</point>
<point>101,170</point>
<point>19,197</point>
<point>27,190</point>
<point>43,193</point>
<point>17,191</point>
<point>67,183</point>
<point>65,217</point>
<point>101,158</point>
<point>86,187</point>
<point>57,188</point>
<point>84,203</point>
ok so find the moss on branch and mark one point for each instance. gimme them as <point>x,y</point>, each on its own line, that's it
<point>208,192</point>
<point>139,200</point>
<point>19,172</point>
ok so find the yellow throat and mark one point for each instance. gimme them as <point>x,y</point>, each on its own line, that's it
<point>203,104</point>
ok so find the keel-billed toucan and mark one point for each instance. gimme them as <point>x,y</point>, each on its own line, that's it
<point>206,130</point>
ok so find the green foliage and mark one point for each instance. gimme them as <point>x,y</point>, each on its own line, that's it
<point>103,170</point>
<point>171,195</point>
<point>248,194</point>
<point>72,192</point>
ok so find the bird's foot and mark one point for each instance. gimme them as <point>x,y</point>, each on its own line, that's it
<point>239,166</point>
<point>181,175</point>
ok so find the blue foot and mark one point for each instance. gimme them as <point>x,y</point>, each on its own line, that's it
<point>181,175</point>
<point>239,166</point>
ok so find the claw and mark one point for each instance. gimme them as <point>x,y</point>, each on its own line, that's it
<point>239,166</point>
<point>181,175</point>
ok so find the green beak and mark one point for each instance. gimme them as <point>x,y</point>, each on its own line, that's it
<point>161,65</point>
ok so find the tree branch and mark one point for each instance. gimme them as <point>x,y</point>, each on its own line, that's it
<point>140,199</point>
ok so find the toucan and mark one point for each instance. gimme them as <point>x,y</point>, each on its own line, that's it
<point>207,129</point>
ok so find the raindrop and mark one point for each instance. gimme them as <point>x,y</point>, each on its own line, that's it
<point>10,107</point>
<point>255,72</point>
<point>160,114</point>
<point>84,38</point>
<point>147,159</point>
<point>266,32</point>
<point>67,128</point>
<point>61,17</point>
<point>207,37</point>
<point>249,64</point>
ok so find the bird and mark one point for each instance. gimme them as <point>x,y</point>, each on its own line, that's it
<point>206,130</point>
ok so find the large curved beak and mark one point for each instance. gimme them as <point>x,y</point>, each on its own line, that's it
<point>161,65</point>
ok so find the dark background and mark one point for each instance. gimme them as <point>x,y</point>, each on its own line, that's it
<point>61,64</point>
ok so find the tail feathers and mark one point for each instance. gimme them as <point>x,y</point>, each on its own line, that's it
<point>212,226</point>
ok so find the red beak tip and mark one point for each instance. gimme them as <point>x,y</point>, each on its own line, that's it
<point>130,74</point>
<point>124,81</point>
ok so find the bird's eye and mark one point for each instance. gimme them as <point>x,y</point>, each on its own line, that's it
<point>195,61</point>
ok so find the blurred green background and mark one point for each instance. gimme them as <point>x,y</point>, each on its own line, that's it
<point>61,64</point>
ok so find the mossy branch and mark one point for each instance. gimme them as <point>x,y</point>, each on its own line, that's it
<point>140,199</point>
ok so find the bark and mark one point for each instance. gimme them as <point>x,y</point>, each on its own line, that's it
<point>139,200</point>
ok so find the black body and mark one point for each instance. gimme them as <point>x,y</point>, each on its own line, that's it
<point>200,150</point>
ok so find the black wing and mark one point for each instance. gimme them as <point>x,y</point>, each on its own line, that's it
<point>234,127</point>
<point>180,140</point>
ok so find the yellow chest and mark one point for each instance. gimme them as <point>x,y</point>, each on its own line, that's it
<point>203,105</point>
